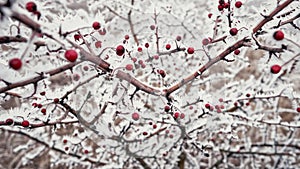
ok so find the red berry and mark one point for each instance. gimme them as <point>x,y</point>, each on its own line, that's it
<point>278,35</point>
<point>43,111</point>
<point>207,105</point>
<point>154,126</point>
<point>168,46</point>
<point>162,73</point>
<point>120,50</point>
<point>238,4</point>
<point>141,62</point>
<point>15,63</point>
<point>298,109</point>
<point>145,133</point>
<point>66,148</point>
<point>156,57</point>
<point>129,67</point>
<point>102,32</point>
<point>221,100</point>
<point>205,41</point>
<point>9,121</point>
<point>167,108</point>
<point>176,115</point>
<point>134,59</point>
<point>178,38</point>
<point>65,141</point>
<point>190,50</point>
<point>275,69</point>
<point>236,52</point>
<point>143,65</point>
<point>25,123</point>
<point>182,115</point>
<point>96,25</point>
<point>98,44</point>
<point>248,95</point>
<point>71,55</point>
<point>146,45</point>
<point>209,15</point>
<point>233,31</point>
<point>85,68</point>
<point>152,27</point>
<point>135,116</point>
<point>86,151</point>
<point>39,105</point>
<point>220,7</point>
<point>226,5</point>
<point>56,100</point>
<point>31,6</point>
<point>140,49</point>
<point>126,37</point>
<point>34,104</point>
<point>77,37</point>
<point>43,93</point>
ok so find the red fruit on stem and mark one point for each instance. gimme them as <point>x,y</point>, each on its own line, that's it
<point>238,4</point>
<point>141,62</point>
<point>77,37</point>
<point>278,35</point>
<point>209,15</point>
<point>176,115</point>
<point>167,108</point>
<point>86,151</point>
<point>298,109</point>
<point>126,37</point>
<point>178,38</point>
<point>156,57</point>
<point>120,50</point>
<point>140,49</point>
<point>182,115</point>
<point>102,32</point>
<point>205,41</point>
<point>43,110</point>
<point>226,5</point>
<point>275,69</point>
<point>25,123</point>
<point>39,105</point>
<point>146,45</point>
<point>152,27</point>
<point>56,100</point>
<point>134,59</point>
<point>168,46</point>
<point>34,104</point>
<point>129,67</point>
<point>207,105</point>
<point>15,63</point>
<point>135,116</point>
<point>65,141</point>
<point>31,6</point>
<point>236,52</point>
<point>98,44</point>
<point>233,31</point>
<point>162,73</point>
<point>9,121</point>
<point>96,25</point>
<point>220,7</point>
<point>71,55</point>
<point>154,126</point>
<point>190,50</point>
<point>43,93</point>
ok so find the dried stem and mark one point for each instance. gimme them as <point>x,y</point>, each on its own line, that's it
<point>271,15</point>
